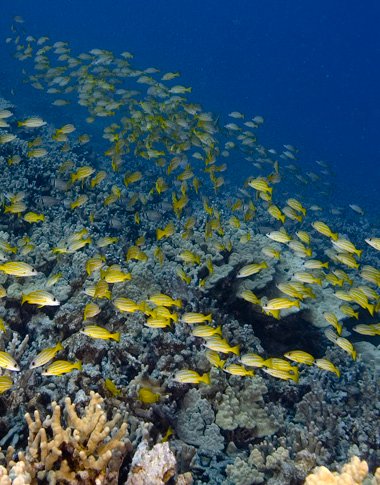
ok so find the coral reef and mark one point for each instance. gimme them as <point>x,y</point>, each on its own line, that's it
<point>87,449</point>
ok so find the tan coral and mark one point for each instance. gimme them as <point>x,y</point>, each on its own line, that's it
<point>352,473</point>
<point>82,450</point>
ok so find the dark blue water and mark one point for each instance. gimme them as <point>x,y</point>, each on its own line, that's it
<point>310,68</point>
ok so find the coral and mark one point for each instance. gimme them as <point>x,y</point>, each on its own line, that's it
<point>195,424</point>
<point>242,406</point>
<point>352,473</point>
<point>152,467</point>
<point>85,450</point>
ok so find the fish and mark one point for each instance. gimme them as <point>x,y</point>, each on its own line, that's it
<point>189,257</point>
<point>251,269</point>
<point>167,231</point>
<point>32,217</point>
<point>5,384</point>
<point>192,317</point>
<point>60,367</point>
<point>347,246</point>
<point>221,345</point>
<point>249,296</point>
<point>332,319</point>
<point>326,364</point>
<point>347,346</point>
<point>188,376</point>
<point>147,396</point>
<point>8,362</point>
<point>324,229</point>
<point>280,304</point>
<point>349,311</point>
<point>373,242</point>
<point>281,374</point>
<point>53,279</point>
<point>114,274</point>
<point>45,355</point>
<point>252,360</point>
<point>370,330</point>
<point>97,332</point>
<point>214,359</point>
<point>18,268</point>
<point>111,387</point>
<point>205,331</point>
<point>33,122</point>
<point>261,185</point>
<point>126,305</point>
<point>41,298</point>
<point>238,370</point>
<point>91,310</point>
<point>161,299</point>
<point>300,356</point>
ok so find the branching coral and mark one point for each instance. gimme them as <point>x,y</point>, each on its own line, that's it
<point>76,450</point>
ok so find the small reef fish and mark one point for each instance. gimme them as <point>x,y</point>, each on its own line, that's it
<point>111,388</point>
<point>40,297</point>
<point>238,370</point>
<point>94,331</point>
<point>8,362</point>
<point>326,364</point>
<point>5,384</point>
<point>191,377</point>
<point>192,317</point>
<point>45,356</point>
<point>251,269</point>
<point>18,268</point>
<point>60,367</point>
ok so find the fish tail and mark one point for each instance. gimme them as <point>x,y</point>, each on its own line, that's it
<point>359,252</point>
<point>178,303</point>
<point>337,372</point>
<point>78,365</point>
<point>205,378</point>
<point>218,330</point>
<point>20,123</point>
<point>282,219</point>
<point>23,299</point>
<point>334,236</point>
<point>160,233</point>
<point>235,350</point>
<point>354,354</point>
<point>208,318</point>
<point>371,309</point>
<point>116,336</point>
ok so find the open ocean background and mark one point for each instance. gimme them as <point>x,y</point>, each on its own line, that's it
<point>310,68</point>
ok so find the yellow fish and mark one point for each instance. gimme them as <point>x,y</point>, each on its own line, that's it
<point>238,370</point>
<point>325,364</point>
<point>60,367</point>
<point>32,217</point>
<point>5,384</point>
<point>82,173</point>
<point>205,331</point>
<point>252,360</point>
<point>251,269</point>
<point>40,297</point>
<point>45,356</point>
<point>192,317</point>
<point>8,362</point>
<point>91,310</point>
<point>191,377</point>
<point>94,331</point>
<point>166,232</point>
<point>18,268</point>
<point>300,357</point>
<point>160,299</point>
<point>111,388</point>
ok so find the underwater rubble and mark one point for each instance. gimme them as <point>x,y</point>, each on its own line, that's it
<point>168,296</point>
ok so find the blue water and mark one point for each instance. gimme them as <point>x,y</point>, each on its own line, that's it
<point>310,68</point>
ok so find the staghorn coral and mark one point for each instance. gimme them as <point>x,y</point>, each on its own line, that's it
<point>353,473</point>
<point>80,450</point>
